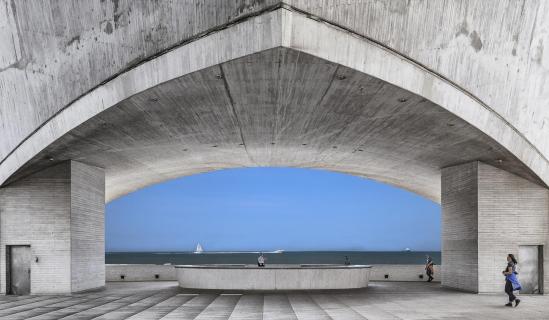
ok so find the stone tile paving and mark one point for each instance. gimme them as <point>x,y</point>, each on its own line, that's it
<point>164,300</point>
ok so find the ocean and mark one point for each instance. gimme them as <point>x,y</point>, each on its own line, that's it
<point>286,257</point>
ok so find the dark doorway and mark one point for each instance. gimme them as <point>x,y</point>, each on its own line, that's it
<point>18,270</point>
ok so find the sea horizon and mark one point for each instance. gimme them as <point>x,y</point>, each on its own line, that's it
<point>266,250</point>
<point>273,257</point>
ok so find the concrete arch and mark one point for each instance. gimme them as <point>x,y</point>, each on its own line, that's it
<point>278,87</point>
<point>287,28</point>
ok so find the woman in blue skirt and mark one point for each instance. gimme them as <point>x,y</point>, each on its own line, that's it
<point>511,280</point>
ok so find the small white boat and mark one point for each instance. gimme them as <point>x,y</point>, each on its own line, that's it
<point>407,249</point>
<point>198,249</point>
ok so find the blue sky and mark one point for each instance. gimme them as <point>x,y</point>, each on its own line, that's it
<point>269,209</point>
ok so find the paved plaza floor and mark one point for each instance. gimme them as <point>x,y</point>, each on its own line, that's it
<point>163,300</point>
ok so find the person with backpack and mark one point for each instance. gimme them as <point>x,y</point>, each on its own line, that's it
<point>511,280</point>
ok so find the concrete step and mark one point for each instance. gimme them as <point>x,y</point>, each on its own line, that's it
<point>135,307</point>
<point>192,308</point>
<point>99,309</point>
<point>249,307</point>
<point>221,308</point>
<point>46,312</point>
<point>277,307</point>
<point>335,308</point>
<point>30,309</point>
<point>163,308</point>
<point>305,308</point>
<point>77,307</point>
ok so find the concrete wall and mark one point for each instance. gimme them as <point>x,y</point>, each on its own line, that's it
<point>87,226</point>
<point>140,272</point>
<point>65,62</point>
<point>51,67</point>
<point>147,272</point>
<point>402,272</point>
<point>511,212</point>
<point>52,61</point>
<point>59,213</point>
<point>486,214</point>
<point>56,51</point>
<point>459,227</point>
<point>36,212</point>
<point>273,277</point>
<point>492,48</point>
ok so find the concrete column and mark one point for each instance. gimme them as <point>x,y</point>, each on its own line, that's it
<point>59,212</point>
<point>460,227</point>
<point>486,214</point>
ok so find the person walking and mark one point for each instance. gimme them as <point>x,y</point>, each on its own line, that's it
<point>429,268</point>
<point>511,280</point>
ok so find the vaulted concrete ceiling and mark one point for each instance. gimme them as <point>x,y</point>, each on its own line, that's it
<point>279,107</point>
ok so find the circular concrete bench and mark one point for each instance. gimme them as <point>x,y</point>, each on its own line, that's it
<point>273,277</point>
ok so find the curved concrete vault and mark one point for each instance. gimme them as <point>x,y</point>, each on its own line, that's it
<point>271,90</point>
<point>147,91</point>
<point>279,107</point>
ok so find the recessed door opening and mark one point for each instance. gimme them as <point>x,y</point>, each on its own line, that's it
<point>531,269</point>
<point>18,269</point>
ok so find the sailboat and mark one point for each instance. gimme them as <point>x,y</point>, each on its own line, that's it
<point>198,249</point>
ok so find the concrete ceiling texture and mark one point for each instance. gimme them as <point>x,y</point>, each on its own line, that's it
<point>388,90</point>
<point>279,107</point>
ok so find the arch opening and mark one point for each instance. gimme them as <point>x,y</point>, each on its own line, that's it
<point>270,209</point>
<point>279,107</point>
<point>268,90</point>
<point>487,137</point>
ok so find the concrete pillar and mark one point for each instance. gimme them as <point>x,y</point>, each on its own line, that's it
<point>59,212</point>
<point>486,214</point>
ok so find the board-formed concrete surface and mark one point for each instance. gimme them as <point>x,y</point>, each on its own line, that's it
<point>246,77</point>
<point>393,90</point>
<point>488,213</point>
<point>59,213</point>
<point>153,272</point>
<point>163,300</point>
<point>277,277</point>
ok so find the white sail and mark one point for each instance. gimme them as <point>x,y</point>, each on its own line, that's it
<point>198,249</point>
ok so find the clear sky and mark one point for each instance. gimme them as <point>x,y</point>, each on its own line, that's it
<point>272,208</point>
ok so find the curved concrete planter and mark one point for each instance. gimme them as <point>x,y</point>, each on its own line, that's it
<point>273,277</point>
